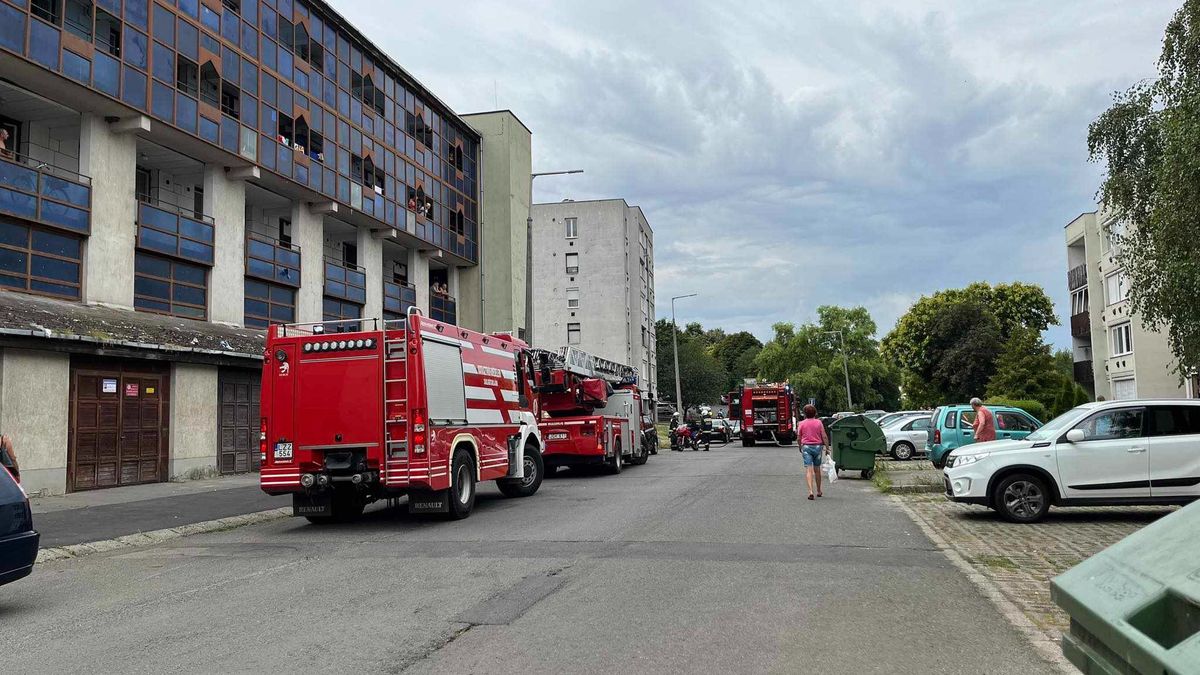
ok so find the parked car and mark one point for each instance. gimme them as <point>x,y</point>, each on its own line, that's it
<point>664,411</point>
<point>1099,454</point>
<point>18,539</point>
<point>905,434</point>
<point>950,428</point>
<point>722,430</point>
<point>874,415</point>
<point>893,416</point>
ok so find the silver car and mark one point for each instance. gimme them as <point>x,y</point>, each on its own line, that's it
<point>905,435</point>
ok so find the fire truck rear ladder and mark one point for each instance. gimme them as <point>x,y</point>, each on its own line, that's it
<point>395,402</point>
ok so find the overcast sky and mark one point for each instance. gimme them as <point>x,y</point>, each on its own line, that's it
<point>798,153</point>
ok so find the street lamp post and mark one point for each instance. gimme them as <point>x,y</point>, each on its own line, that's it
<point>845,366</point>
<point>529,252</point>
<point>675,349</point>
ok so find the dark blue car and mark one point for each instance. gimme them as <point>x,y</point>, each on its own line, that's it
<point>18,539</point>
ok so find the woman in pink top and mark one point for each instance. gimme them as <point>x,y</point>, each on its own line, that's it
<point>814,443</point>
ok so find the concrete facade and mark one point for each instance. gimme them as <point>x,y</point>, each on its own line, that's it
<point>34,413</point>
<point>610,296</point>
<point>506,193</point>
<point>109,158</point>
<point>225,201</point>
<point>194,412</point>
<point>1097,314</point>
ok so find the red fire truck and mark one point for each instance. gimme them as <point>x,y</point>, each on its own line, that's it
<point>591,411</point>
<point>361,410</point>
<point>765,411</point>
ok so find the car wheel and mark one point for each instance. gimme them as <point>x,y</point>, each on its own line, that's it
<point>1021,498</point>
<point>903,451</point>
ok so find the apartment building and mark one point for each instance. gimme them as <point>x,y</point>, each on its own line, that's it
<point>1115,355</point>
<point>593,281</point>
<point>174,176</point>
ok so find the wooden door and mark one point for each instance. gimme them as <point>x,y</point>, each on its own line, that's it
<point>239,392</point>
<point>118,430</point>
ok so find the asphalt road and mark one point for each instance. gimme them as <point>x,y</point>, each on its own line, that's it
<point>696,562</point>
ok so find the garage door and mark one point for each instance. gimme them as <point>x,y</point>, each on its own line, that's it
<point>239,391</point>
<point>1124,390</point>
<point>118,428</point>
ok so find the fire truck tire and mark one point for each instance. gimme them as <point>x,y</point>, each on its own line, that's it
<point>747,442</point>
<point>614,465</point>
<point>462,485</point>
<point>640,455</point>
<point>535,471</point>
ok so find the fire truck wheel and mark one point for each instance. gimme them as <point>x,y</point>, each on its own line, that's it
<point>462,485</point>
<point>614,465</point>
<point>747,442</point>
<point>640,455</point>
<point>534,471</point>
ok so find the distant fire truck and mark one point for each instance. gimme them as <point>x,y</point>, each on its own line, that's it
<point>765,411</point>
<point>410,407</point>
<point>591,411</point>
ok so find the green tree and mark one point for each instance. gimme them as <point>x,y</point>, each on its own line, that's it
<point>736,353</point>
<point>1149,143</point>
<point>1065,363</point>
<point>1025,370</point>
<point>702,378</point>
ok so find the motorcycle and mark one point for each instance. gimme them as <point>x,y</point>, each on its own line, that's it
<point>683,437</point>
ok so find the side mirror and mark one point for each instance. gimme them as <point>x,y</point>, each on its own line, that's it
<point>1076,436</point>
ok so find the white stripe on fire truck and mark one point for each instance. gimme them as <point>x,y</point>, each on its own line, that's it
<point>509,395</point>
<point>484,416</point>
<point>497,352</point>
<point>446,338</point>
<point>481,393</point>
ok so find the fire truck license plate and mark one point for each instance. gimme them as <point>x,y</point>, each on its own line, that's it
<point>283,451</point>
<point>557,436</point>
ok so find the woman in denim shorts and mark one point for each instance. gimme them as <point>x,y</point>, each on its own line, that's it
<point>814,443</point>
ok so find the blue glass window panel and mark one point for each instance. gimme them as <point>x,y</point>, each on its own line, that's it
<point>164,25</point>
<point>189,273</point>
<point>285,61</point>
<point>283,313</point>
<point>106,75</point>
<point>158,218</point>
<point>315,84</point>
<point>330,93</point>
<point>162,102</point>
<point>285,99</point>
<point>356,294</point>
<point>261,249</point>
<point>301,174</point>
<point>260,268</point>
<point>257,289</point>
<point>249,112</point>
<point>157,241</point>
<point>231,65</point>
<point>329,182</point>
<point>133,89</point>
<point>343,103</point>
<point>190,7</point>
<point>210,43</point>
<point>334,272</point>
<point>65,216</point>
<point>270,24</point>
<point>113,6</point>
<point>249,78</point>
<point>250,11</point>
<point>55,244</point>
<point>268,53</point>
<point>287,257</point>
<point>163,64</point>
<point>335,288</point>
<point>196,229</point>
<point>231,27</point>
<point>146,264</point>
<point>187,40</point>
<point>43,44</point>
<point>135,13</point>
<point>210,19</point>
<point>185,113</point>
<point>283,163</point>
<point>343,192</point>
<point>229,134</point>
<point>52,268</point>
<point>65,191</point>
<point>266,151</point>
<point>268,90</point>
<point>151,287</point>
<point>194,250</point>
<point>250,40</point>
<point>12,261</point>
<point>18,204</point>
<point>257,307</point>
<point>300,78</point>
<point>135,48</point>
<point>18,177</point>
<point>209,130</point>
<point>285,8</point>
<point>12,29</point>
<point>13,234</point>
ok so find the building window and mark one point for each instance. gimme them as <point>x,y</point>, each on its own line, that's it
<point>340,310</point>
<point>50,10</point>
<point>266,304</point>
<point>1115,288</point>
<point>572,298</point>
<point>108,33</point>
<point>39,261</point>
<point>572,263</point>
<point>187,76</point>
<point>285,231</point>
<point>1079,301</point>
<point>572,227</point>
<point>573,334</point>
<point>78,18</point>
<point>1122,339</point>
<point>168,287</point>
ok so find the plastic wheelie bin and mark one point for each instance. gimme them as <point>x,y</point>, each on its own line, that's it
<point>854,441</point>
<point>1135,606</point>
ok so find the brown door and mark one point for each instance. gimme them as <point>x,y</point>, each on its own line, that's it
<point>239,415</point>
<point>118,428</point>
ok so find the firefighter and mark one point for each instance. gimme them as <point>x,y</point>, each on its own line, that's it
<point>706,428</point>
<point>672,433</point>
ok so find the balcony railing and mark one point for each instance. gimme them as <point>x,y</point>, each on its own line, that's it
<point>1077,277</point>
<point>397,298</point>
<point>174,230</point>
<point>37,191</point>
<point>443,308</point>
<point>1083,373</point>
<point>272,260</point>
<point>1081,324</point>
<point>345,281</point>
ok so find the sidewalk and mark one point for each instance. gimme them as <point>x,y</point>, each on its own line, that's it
<point>96,515</point>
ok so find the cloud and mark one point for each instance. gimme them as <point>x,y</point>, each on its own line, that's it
<point>793,154</point>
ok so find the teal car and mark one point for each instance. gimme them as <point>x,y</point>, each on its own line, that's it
<point>950,428</point>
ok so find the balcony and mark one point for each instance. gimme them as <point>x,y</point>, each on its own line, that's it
<point>345,281</point>
<point>163,227</point>
<point>1083,373</point>
<point>272,260</point>
<point>43,193</point>
<point>397,298</point>
<point>1077,277</point>
<point>443,308</point>
<point>1081,324</point>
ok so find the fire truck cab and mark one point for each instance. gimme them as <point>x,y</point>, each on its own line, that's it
<point>361,410</point>
<point>765,411</point>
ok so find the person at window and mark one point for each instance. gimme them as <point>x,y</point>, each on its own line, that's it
<point>412,204</point>
<point>429,209</point>
<point>4,150</point>
<point>984,425</point>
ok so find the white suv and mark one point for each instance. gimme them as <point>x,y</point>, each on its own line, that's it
<point>1109,453</point>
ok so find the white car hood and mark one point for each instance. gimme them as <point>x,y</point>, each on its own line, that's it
<point>992,446</point>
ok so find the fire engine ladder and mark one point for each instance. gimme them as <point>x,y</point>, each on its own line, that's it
<point>395,402</point>
<point>583,364</point>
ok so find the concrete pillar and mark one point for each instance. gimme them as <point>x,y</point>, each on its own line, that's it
<point>308,232</point>
<point>225,201</point>
<point>194,423</point>
<point>34,413</point>
<point>370,256</point>
<point>418,276</point>
<point>110,159</point>
<point>469,292</point>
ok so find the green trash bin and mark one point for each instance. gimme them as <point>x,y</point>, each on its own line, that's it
<point>1135,606</point>
<point>855,441</point>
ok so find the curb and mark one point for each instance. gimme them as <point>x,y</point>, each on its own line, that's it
<point>46,555</point>
<point>1046,647</point>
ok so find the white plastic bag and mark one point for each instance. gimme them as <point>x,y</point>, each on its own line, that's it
<point>830,469</point>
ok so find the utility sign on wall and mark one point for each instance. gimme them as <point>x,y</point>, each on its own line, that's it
<point>131,389</point>
<point>108,386</point>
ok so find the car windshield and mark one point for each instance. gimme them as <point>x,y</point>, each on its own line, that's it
<point>1058,425</point>
<point>896,421</point>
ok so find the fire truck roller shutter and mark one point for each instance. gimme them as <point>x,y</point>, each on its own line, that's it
<point>444,383</point>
